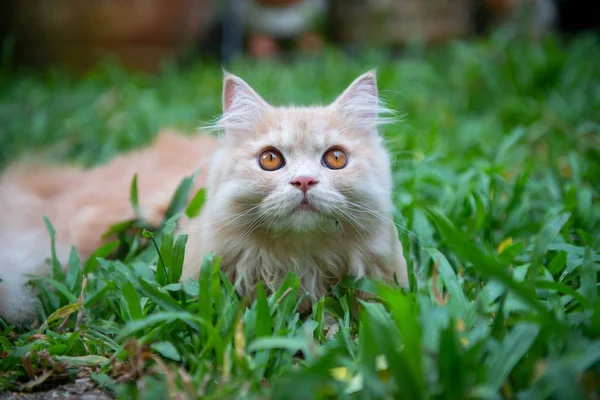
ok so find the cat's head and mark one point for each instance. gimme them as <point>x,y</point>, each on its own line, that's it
<point>302,169</point>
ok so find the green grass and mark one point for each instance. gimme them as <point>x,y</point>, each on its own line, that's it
<point>497,174</point>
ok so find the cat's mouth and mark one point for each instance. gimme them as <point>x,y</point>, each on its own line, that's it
<point>306,206</point>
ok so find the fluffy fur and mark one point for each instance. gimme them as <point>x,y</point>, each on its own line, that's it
<point>82,205</point>
<point>251,217</point>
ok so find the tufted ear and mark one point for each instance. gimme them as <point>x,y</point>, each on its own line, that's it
<point>241,104</point>
<point>359,103</point>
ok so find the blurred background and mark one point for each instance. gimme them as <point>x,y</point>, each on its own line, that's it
<point>143,34</point>
<point>84,79</point>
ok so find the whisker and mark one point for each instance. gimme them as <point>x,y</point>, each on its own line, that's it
<point>229,219</point>
<point>379,215</point>
<point>247,232</point>
<point>247,213</point>
<point>352,225</point>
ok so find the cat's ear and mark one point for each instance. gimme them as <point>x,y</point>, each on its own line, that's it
<point>359,103</point>
<point>241,104</point>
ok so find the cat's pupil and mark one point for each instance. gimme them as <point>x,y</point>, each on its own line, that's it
<point>271,160</point>
<point>335,159</point>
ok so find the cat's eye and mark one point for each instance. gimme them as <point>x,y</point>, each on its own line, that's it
<point>271,160</point>
<point>335,158</point>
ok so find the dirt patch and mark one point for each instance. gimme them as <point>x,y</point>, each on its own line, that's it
<point>81,389</point>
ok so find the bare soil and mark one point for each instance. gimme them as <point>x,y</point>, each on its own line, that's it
<point>81,389</point>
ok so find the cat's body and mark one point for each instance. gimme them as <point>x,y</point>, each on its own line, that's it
<point>82,205</point>
<point>303,216</point>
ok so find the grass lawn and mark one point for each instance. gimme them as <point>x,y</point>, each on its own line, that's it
<point>497,176</point>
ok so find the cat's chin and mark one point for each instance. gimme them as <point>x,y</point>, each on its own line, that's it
<point>305,218</point>
<point>306,221</point>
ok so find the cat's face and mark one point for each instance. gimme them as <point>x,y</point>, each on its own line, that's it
<point>302,169</point>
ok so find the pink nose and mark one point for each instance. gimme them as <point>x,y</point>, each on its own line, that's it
<point>304,183</point>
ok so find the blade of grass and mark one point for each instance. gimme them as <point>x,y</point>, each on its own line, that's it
<point>102,252</point>
<point>264,322</point>
<point>514,346</point>
<point>60,287</point>
<point>132,300</point>
<point>168,317</point>
<point>73,280</point>
<point>133,198</point>
<point>195,205</point>
<point>451,368</point>
<point>561,288</point>
<point>549,231</point>
<point>205,302</point>
<point>56,270</point>
<point>488,267</point>
<point>180,197</point>
<point>177,258</point>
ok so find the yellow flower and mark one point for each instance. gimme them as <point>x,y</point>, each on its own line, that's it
<point>340,373</point>
<point>505,243</point>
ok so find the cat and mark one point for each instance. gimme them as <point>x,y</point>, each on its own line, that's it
<point>306,190</point>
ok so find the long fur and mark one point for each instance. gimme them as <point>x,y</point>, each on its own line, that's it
<point>82,205</point>
<point>251,216</point>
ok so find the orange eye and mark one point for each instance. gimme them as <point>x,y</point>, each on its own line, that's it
<point>271,160</point>
<point>335,158</point>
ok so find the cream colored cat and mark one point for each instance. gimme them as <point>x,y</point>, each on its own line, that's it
<point>306,190</point>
